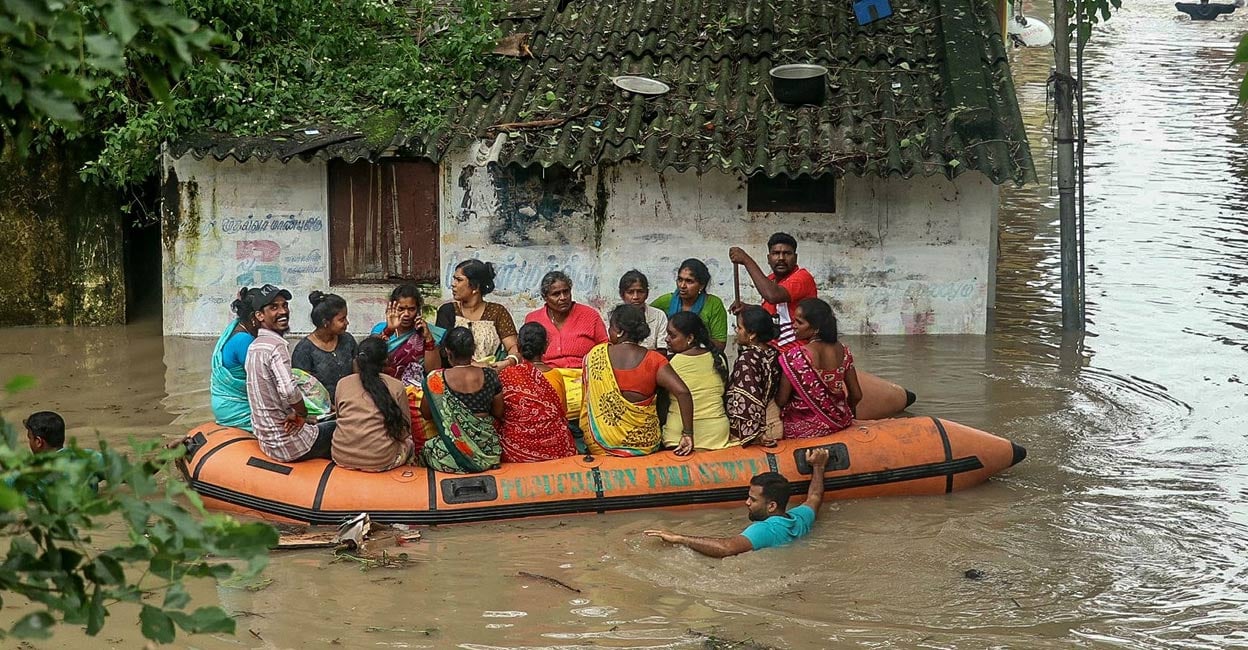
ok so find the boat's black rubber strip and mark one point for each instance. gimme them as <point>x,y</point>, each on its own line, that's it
<point>575,506</point>
<point>203,459</point>
<point>598,487</point>
<point>433,488</point>
<point>944,440</point>
<point>320,487</point>
<point>771,462</point>
<point>284,470</point>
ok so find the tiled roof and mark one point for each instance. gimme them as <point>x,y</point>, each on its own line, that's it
<point>926,91</point>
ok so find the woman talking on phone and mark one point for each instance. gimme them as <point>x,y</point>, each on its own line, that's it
<point>410,342</point>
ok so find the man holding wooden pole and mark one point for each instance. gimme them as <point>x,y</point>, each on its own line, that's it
<point>787,285</point>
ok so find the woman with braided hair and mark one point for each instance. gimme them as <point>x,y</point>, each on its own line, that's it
<point>374,424</point>
<point>699,363</point>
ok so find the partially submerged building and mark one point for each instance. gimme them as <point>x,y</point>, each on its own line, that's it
<point>890,184</point>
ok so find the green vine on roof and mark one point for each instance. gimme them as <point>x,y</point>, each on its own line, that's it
<point>243,68</point>
<point>345,63</point>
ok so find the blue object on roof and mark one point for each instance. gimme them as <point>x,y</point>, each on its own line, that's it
<point>869,11</point>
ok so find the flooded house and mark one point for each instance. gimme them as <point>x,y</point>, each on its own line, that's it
<point>889,181</point>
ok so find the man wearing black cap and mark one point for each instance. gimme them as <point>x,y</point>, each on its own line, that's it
<point>278,416</point>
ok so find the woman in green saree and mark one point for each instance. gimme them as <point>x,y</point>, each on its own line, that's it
<point>463,402</point>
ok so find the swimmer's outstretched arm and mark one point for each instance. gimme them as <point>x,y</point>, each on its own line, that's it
<point>709,546</point>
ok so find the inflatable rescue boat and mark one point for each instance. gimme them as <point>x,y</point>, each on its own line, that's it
<point>905,456</point>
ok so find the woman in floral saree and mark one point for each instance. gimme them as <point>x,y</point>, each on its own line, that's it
<point>753,416</point>
<point>812,395</point>
<point>462,402</point>
<point>411,351</point>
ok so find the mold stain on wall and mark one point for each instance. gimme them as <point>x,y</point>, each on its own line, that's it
<point>537,206</point>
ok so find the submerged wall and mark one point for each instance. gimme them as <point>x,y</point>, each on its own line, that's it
<point>62,261</point>
<point>896,257</point>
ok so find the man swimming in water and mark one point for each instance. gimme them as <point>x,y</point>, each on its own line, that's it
<point>769,494</point>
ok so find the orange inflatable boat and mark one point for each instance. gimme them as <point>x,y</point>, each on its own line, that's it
<point>907,456</point>
<point>881,398</point>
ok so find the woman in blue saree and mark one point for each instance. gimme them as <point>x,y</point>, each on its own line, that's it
<point>228,385</point>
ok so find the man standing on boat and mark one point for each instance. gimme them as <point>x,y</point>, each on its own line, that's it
<point>786,286</point>
<point>769,494</point>
<point>279,417</point>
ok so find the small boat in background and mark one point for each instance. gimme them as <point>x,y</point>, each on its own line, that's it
<point>1206,10</point>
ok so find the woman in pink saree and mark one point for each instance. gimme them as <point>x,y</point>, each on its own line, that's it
<point>817,376</point>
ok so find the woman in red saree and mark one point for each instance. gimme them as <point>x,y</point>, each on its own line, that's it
<point>816,376</point>
<point>534,425</point>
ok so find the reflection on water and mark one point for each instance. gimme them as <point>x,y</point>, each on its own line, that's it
<point>1126,526</point>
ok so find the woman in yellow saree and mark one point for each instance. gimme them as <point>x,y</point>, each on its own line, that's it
<point>619,414</point>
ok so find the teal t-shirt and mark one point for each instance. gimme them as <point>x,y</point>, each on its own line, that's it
<point>713,314</point>
<point>778,530</point>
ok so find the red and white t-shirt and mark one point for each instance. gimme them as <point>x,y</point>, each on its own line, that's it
<point>801,285</point>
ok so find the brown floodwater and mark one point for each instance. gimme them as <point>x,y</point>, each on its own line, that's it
<point>1127,525</point>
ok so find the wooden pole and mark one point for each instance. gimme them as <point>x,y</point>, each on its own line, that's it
<point>736,280</point>
<point>1063,86</point>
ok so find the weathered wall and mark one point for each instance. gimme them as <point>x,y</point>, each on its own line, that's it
<point>897,257</point>
<point>62,261</point>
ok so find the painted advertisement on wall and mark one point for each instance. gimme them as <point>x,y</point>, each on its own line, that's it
<point>241,225</point>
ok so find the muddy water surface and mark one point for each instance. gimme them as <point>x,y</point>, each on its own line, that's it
<point>1127,526</point>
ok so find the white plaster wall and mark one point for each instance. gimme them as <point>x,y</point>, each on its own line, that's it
<point>247,224</point>
<point>898,257</point>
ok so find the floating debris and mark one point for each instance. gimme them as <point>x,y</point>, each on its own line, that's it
<point>549,580</point>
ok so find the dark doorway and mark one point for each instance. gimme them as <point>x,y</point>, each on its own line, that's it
<point>141,248</point>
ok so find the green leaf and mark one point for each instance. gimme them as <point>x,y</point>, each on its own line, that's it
<point>156,80</point>
<point>105,52</point>
<point>1243,91</point>
<point>36,625</point>
<point>96,612</point>
<point>107,571</point>
<point>953,164</point>
<point>120,21</point>
<point>56,108</point>
<point>10,499</point>
<point>209,620</point>
<point>156,625</point>
<point>176,597</point>
<point>1241,52</point>
<point>19,383</point>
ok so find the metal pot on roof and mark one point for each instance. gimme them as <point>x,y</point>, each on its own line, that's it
<point>799,83</point>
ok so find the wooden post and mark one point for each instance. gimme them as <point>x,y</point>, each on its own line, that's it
<point>736,280</point>
<point>1063,86</point>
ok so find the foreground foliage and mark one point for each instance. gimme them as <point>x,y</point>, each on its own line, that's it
<point>49,510</point>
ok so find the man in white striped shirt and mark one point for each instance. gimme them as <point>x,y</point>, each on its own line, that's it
<point>786,286</point>
<point>278,416</point>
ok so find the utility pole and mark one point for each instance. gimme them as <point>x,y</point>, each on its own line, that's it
<point>1063,86</point>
